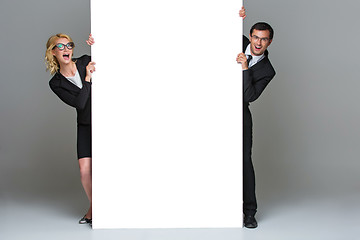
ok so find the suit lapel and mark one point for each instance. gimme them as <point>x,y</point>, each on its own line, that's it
<point>82,71</point>
<point>260,65</point>
<point>64,83</point>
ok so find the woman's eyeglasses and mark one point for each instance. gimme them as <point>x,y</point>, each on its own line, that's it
<point>61,46</point>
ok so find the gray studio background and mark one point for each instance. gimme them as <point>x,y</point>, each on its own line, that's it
<point>306,123</point>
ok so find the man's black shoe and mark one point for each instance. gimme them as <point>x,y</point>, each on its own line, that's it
<point>250,222</point>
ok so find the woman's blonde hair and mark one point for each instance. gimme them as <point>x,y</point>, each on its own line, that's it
<point>52,63</point>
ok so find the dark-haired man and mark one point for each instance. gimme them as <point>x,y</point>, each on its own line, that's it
<point>257,73</point>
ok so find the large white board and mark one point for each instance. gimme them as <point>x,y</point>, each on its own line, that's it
<point>167,114</point>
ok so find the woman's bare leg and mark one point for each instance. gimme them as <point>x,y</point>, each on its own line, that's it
<point>86,180</point>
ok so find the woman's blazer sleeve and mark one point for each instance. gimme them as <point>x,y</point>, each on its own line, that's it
<point>75,99</point>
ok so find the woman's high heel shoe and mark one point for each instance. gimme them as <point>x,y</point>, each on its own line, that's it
<point>85,220</point>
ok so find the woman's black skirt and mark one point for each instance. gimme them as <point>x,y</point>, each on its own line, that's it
<point>84,141</point>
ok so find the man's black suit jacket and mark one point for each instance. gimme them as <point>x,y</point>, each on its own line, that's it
<point>73,95</point>
<point>256,78</point>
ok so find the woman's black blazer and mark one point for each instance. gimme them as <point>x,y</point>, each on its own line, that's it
<point>73,95</point>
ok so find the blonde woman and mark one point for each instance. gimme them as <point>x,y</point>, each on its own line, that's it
<point>72,84</point>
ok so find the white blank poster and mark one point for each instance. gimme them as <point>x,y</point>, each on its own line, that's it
<point>167,114</point>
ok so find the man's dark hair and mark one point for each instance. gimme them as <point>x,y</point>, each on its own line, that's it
<point>262,26</point>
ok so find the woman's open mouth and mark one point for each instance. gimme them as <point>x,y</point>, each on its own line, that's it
<point>66,56</point>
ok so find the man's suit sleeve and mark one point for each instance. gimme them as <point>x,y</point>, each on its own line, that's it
<point>252,90</point>
<point>78,101</point>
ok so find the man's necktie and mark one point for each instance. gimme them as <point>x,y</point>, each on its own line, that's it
<point>249,57</point>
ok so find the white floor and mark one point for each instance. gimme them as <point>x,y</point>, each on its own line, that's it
<point>52,217</point>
